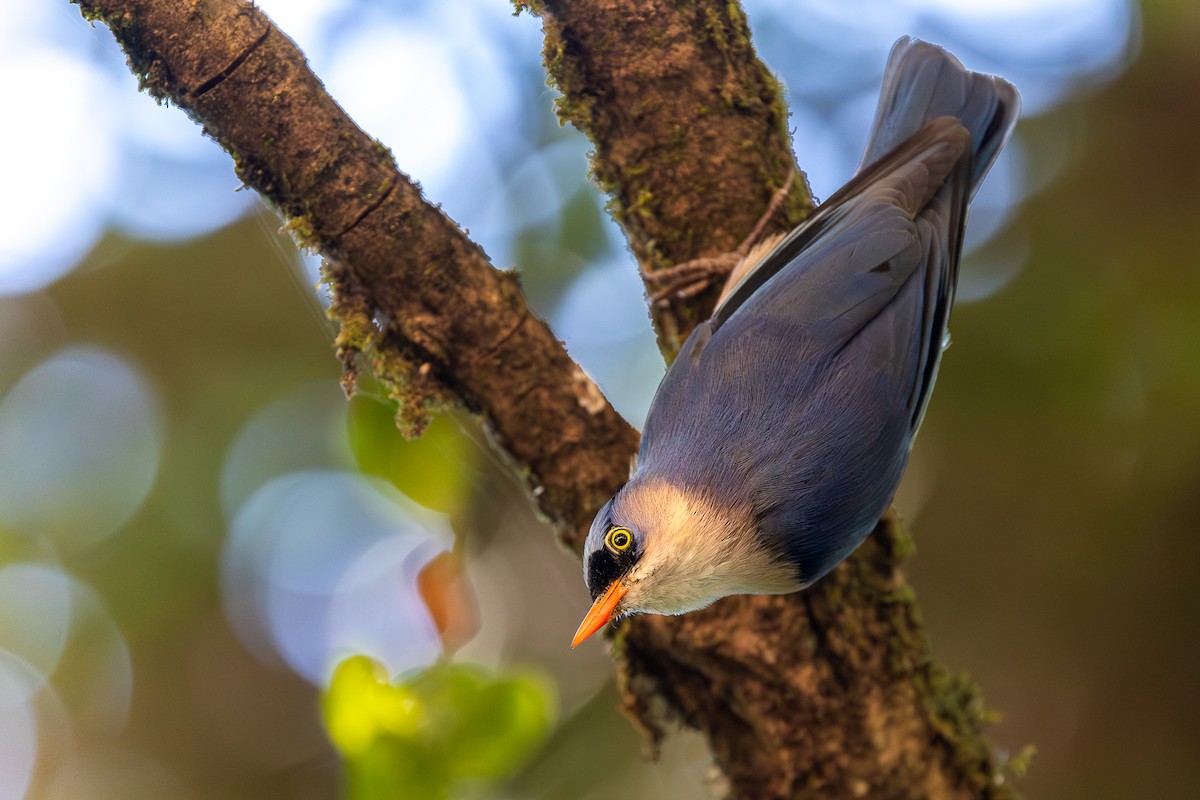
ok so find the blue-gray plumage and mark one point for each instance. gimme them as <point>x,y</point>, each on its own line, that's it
<point>779,435</point>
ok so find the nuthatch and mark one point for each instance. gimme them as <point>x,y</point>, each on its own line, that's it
<point>778,437</point>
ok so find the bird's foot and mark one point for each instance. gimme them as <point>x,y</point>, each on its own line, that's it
<point>692,277</point>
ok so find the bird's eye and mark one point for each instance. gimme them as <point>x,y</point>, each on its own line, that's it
<point>619,539</point>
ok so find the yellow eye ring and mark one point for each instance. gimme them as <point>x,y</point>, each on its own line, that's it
<point>619,540</point>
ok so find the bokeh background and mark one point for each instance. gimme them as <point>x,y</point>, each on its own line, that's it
<point>195,526</point>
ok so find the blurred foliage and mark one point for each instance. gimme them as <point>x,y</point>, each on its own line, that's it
<point>436,470</point>
<point>554,254</point>
<point>446,733</point>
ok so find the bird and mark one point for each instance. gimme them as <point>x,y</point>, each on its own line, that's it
<point>778,436</point>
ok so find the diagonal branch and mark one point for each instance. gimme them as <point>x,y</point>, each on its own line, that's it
<point>415,298</point>
<point>830,693</point>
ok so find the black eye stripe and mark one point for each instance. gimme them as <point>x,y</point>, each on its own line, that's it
<point>602,569</point>
<point>609,562</point>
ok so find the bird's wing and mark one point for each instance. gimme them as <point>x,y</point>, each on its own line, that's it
<point>837,273</point>
<point>899,185</point>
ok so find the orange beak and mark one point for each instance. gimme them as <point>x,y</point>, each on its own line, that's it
<point>600,612</point>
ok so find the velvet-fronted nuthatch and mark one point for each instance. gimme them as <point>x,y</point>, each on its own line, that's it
<point>779,435</point>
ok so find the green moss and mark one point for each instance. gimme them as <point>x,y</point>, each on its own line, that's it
<point>413,386</point>
<point>733,9</point>
<point>383,151</point>
<point>418,398</point>
<point>903,595</point>
<point>900,542</point>
<point>534,7</point>
<point>714,25</point>
<point>955,702</point>
<point>643,205</point>
<point>1019,764</point>
<point>89,12</point>
<point>563,75</point>
<point>572,112</point>
<point>959,715</point>
<point>373,195</point>
<point>301,230</point>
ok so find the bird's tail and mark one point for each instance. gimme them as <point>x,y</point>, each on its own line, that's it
<point>923,82</point>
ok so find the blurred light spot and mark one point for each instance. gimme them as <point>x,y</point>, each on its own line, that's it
<point>1048,49</point>
<point>80,437</point>
<point>535,191</point>
<point>306,22</point>
<point>399,83</point>
<point>447,89</point>
<point>987,10</point>
<point>35,615</point>
<point>174,181</point>
<point>94,680</point>
<point>997,199</point>
<point>990,269</point>
<point>319,564</point>
<point>378,609</point>
<point>90,150</point>
<point>18,732</point>
<point>827,158</point>
<point>19,680</point>
<point>310,264</point>
<point>164,196</point>
<point>603,323</point>
<point>61,169</point>
<point>305,428</point>
<point>606,305</point>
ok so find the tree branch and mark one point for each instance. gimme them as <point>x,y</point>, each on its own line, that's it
<point>415,297</point>
<point>831,692</point>
<point>689,127</point>
<point>826,693</point>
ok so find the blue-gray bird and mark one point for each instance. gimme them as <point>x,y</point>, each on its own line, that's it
<point>779,435</point>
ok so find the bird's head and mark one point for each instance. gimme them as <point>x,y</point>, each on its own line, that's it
<point>656,548</point>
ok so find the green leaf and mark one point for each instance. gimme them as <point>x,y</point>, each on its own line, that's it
<point>503,727</point>
<point>360,706</point>
<point>434,470</point>
<point>451,726</point>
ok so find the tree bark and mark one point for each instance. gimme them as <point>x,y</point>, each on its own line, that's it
<point>829,693</point>
<point>416,300</point>
<point>689,127</point>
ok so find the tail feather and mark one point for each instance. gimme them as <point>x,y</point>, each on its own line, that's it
<point>923,82</point>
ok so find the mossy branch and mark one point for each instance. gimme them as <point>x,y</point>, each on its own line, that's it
<point>829,693</point>
<point>416,300</point>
